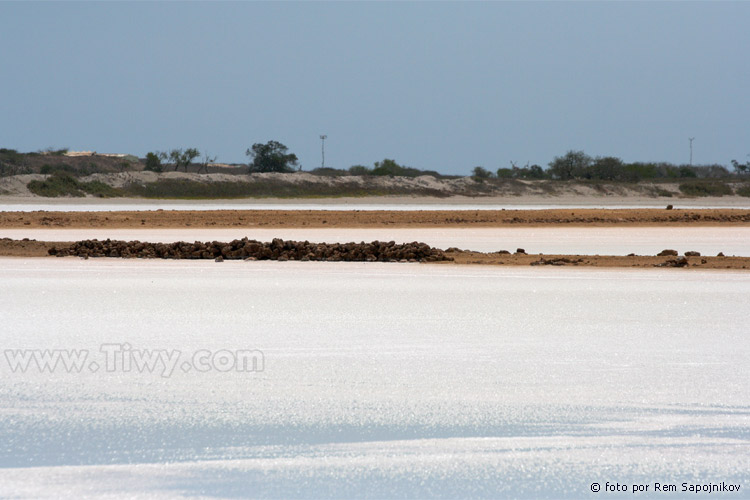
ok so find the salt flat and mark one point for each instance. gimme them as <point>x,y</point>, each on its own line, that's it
<point>549,240</point>
<point>378,380</point>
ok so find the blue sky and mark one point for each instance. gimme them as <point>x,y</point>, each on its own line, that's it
<point>444,86</point>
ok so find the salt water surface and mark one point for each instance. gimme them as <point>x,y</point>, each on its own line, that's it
<point>371,380</point>
<point>549,240</point>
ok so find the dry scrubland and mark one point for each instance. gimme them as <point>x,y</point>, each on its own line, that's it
<point>182,185</point>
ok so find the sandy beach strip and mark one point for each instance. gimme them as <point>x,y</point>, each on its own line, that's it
<point>375,218</point>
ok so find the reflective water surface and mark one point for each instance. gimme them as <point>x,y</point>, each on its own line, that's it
<point>378,380</point>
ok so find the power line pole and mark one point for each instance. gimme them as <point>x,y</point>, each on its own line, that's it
<point>691,150</point>
<point>323,150</point>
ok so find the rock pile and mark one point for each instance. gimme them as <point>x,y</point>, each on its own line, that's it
<point>278,249</point>
<point>556,261</point>
<point>679,262</point>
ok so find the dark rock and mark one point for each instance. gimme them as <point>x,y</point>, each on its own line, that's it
<point>520,250</point>
<point>558,261</point>
<point>680,262</point>
<point>692,254</point>
<point>667,252</point>
<point>669,207</point>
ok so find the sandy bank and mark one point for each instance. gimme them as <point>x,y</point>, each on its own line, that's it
<point>374,218</point>
<point>576,200</point>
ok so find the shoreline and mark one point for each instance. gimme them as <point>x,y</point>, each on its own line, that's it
<point>521,201</point>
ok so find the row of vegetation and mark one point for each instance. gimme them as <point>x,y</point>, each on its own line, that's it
<point>62,184</point>
<point>275,157</point>
<point>269,157</point>
<point>577,165</point>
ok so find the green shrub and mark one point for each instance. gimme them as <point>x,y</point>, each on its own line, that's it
<point>744,191</point>
<point>48,169</point>
<point>100,189</point>
<point>63,184</point>
<point>390,167</point>
<point>57,184</point>
<point>662,192</point>
<point>705,189</point>
<point>329,172</point>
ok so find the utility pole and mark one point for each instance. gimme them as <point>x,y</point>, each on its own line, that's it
<point>691,150</point>
<point>323,149</point>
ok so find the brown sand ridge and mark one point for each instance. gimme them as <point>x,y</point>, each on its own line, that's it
<point>33,248</point>
<point>632,261</point>
<point>375,218</point>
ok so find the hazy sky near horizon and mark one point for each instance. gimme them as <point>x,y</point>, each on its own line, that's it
<point>444,86</point>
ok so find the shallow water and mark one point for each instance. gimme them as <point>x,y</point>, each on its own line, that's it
<point>379,380</point>
<point>548,240</point>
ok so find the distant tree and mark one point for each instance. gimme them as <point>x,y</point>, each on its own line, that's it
<point>12,162</point>
<point>391,168</point>
<point>639,171</point>
<point>271,157</point>
<point>741,168</point>
<point>711,171</point>
<point>505,173</point>
<point>153,161</point>
<point>387,167</point>
<point>180,158</point>
<point>359,170</point>
<point>481,173</point>
<point>573,165</point>
<point>205,162</point>
<point>535,172</point>
<point>607,168</point>
<point>686,172</point>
